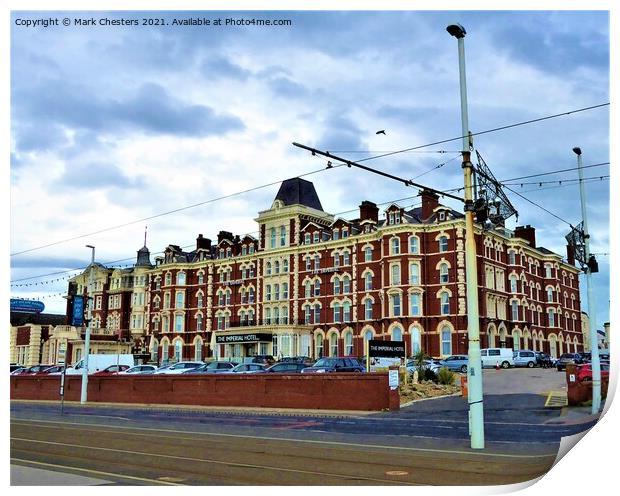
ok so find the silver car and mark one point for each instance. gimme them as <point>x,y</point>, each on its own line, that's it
<point>178,368</point>
<point>524,358</point>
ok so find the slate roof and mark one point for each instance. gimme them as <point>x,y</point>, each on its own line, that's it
<point>298,191</point>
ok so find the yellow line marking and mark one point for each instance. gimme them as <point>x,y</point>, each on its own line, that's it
<point>556,399</point>
<point>293,440</point>
<point>97,472</point>
<point>205,460</point>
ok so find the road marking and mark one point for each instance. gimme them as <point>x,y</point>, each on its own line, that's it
<point>556,399</point>
<point>293,440</point>
<point>396,472</point>
<point>97,472</point>
<point>205,460</point>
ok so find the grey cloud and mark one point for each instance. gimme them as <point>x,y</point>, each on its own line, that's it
<point>96,175</point>
<point>286,87</point>
<point>222,67</point>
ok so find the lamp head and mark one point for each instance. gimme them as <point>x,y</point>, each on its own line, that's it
<point>456,30</point>
<point>577,150</point>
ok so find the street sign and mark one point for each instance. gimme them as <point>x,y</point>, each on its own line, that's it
<point>78,311</point>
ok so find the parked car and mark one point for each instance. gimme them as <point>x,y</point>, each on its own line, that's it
<point>99,361</point>
<point>264,359</point>
<point>32,370</point>
<point>584,372</point>
<point>178,368</point>
<point>287,367</point>
<point>16,371</point>
<point>335,364</point>
<point>457,363</point>
<point>217,367</point>
<point>543,360</point>
<point>567,358</point>
<point>15,367</point>
<point>111,370</point>
<point>492,357</point>
<point>139,369</point>
<point>249,368</point>
<point>298,359</point>
<point>429,363</point>
<point>524,358</point>
<point>54,370</point>
<point>586,356</point>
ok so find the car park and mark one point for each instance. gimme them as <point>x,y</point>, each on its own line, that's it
<point>178,368</point>
<point>567,358</point>
<point>248,368</point>
<point>497,357</point>
<point>287,367</point>
<point>524,358</point>
<point>111,370</point>
<point>457,363</point>
<point>139,369</point>
<point>335,364</point>
<point>217,367</point>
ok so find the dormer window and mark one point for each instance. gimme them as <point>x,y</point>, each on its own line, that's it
<point>336,234</point>
<point>391,218</point>
<point>251,249</point>
<point>345,233</point>
<point>442,215</point>
<point>307,239</point>
<point>244,250</point>
<point>315,238</point>
<point>228,252</point>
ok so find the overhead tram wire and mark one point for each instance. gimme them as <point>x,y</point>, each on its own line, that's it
<point>585,179</point>
<point>306,174</point>
<point>555,172</point>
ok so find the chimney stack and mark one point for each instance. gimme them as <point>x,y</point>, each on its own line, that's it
<point>203,243</point>
<point>430,201</point>
<point>369,211</point>
<point>528,233</point>
<point>570,254</point>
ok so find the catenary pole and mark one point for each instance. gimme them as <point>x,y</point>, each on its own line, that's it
<point>474,368</point>
<point>596,362</point>
<point>89,302</point>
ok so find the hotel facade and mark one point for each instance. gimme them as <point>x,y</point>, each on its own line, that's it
<point>315,285</point>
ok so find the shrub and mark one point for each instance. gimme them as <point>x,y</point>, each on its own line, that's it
<point>429,375</point>
<point>446,376</point>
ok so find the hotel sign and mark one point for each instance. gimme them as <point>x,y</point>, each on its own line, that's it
<point>242,338</point>
<point>386,349</point>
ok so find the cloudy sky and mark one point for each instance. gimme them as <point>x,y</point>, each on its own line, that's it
<point>114,124</point>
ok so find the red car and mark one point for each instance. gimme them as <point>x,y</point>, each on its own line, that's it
<point>55,369</point>
<point>584,372</point>
<point>112,370</point>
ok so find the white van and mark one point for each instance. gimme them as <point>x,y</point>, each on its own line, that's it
<point>98,362</point>
<point>491,357</point>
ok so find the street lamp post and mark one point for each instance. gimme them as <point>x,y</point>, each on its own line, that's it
<point>596,363</point>
<point>474,368</point>
<point>84,395</point>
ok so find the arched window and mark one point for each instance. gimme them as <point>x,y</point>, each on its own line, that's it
<point>395,246</point>
<point>317,313</point>
<point>333,345</point>
<point>414,245</point>
<point>514,307</point>
<point>346,312</point>
<point>395,275</point>
<point>443,243</point>
<point>179,299</point>
<point>368,309</point>
<point>154,346</point>
<point>445,303</point>
<point>168,279</point>
<point>414,273</point>
<point>443,273</point>
<point>268,292</point>
<point>180,278</point>
<point>178,351</point>
<point>337,315</point>
<point>346,284</point>
<point>513,284</point>
<point>416,340</point>
<point>199,300</point>
<point>395,304</point>
<point>308,289</point>
<point>285,291</point>
<point>276,267</point>
<point>317,287</point>
<point>516,340</point>
<point>368,254</point>
<point>198,350</point>
<point>164,351</point>
<point>268,268</point>
<point>348,343</point>
<point>318,346</point>
<point>282,235</point>
<point>368,334</point>
<point>276,292</point>
<point>550,295</point>
<point>551,317</point>
<point>272,235</point>
<point>199,323</point>
<point>446,341</point>
<point>336,286</point>
<point>397,334</point>
<point>285,266</point>
<point>414,305</point>
<point>368,281</point>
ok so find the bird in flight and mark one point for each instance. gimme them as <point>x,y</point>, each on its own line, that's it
<point>381,132</point>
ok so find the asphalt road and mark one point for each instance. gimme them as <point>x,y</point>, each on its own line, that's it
<point>426,443</point>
